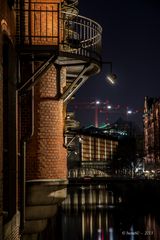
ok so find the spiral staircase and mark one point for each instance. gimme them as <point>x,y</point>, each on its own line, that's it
<point>76,44</point>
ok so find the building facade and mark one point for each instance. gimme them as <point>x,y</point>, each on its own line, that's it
<point>97,149</point>
<point>47,52</point>
<point>111,148</point>
<point>151,121</point>
<point>9,214</point>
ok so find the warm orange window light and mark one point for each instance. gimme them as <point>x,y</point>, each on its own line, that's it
<point>42,22</point>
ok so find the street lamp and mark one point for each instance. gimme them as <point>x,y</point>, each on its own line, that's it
<point>111,77</point>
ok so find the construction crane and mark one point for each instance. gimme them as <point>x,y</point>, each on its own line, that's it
<point>103,107</point>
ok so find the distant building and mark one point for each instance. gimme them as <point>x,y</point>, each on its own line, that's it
<point>131,143</point>
<point>125,128</point>
<point>97,148</point>
<point>151,121</point>
<point>100,148</point>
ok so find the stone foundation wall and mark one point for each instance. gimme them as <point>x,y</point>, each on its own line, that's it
<point>11,229</point>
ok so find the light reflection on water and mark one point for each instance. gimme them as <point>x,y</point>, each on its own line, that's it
<point>96,213</point>
<point>90,197</point>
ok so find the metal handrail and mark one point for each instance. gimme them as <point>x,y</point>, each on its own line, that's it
<point>73,33</point>
<point>87,19</point>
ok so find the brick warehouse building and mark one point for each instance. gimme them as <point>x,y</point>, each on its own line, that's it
<point>151,121</point>
<point>97,148</point>
<point>90,149</point>
<point>47,52</point>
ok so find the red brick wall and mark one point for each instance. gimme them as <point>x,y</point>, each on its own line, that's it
<point>7,27</point>
<point>7,15</point>
<point>1,133</point>
<point>46,156</point>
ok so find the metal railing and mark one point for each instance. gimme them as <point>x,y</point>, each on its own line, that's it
<point>85,172</point>
<point>82,35</point>
<point>40,23</point>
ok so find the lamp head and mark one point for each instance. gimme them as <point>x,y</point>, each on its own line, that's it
<point>111,78</point>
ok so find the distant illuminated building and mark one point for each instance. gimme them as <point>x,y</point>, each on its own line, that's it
<point>97,148</point>
<point>124,127</point>
<point>151,121</point>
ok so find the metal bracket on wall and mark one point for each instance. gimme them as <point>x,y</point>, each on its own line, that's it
<point>36,75</point>
<point>67,144</point>
<point>76,84</point>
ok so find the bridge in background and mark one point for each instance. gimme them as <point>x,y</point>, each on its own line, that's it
<point>83,172</point>
<point>133,189</point>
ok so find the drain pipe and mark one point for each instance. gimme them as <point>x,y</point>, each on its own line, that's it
<point>32,89</point>
<point>22,185</point>
<point>23,146</point>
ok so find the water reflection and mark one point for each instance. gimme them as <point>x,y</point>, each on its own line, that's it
<point>96,213</point>
<point>90,197</point>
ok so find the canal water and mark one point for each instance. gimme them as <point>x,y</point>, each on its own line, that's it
<point>99,213</point>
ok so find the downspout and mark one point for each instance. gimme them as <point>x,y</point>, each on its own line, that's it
<point>22,184</point>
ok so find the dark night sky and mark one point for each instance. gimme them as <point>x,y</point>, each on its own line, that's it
<point>131,40</point>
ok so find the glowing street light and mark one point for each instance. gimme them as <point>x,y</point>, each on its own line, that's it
<point>129,112</point>
<point>97,102</point>
<point>109,106</point>
<point>111,77</point>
